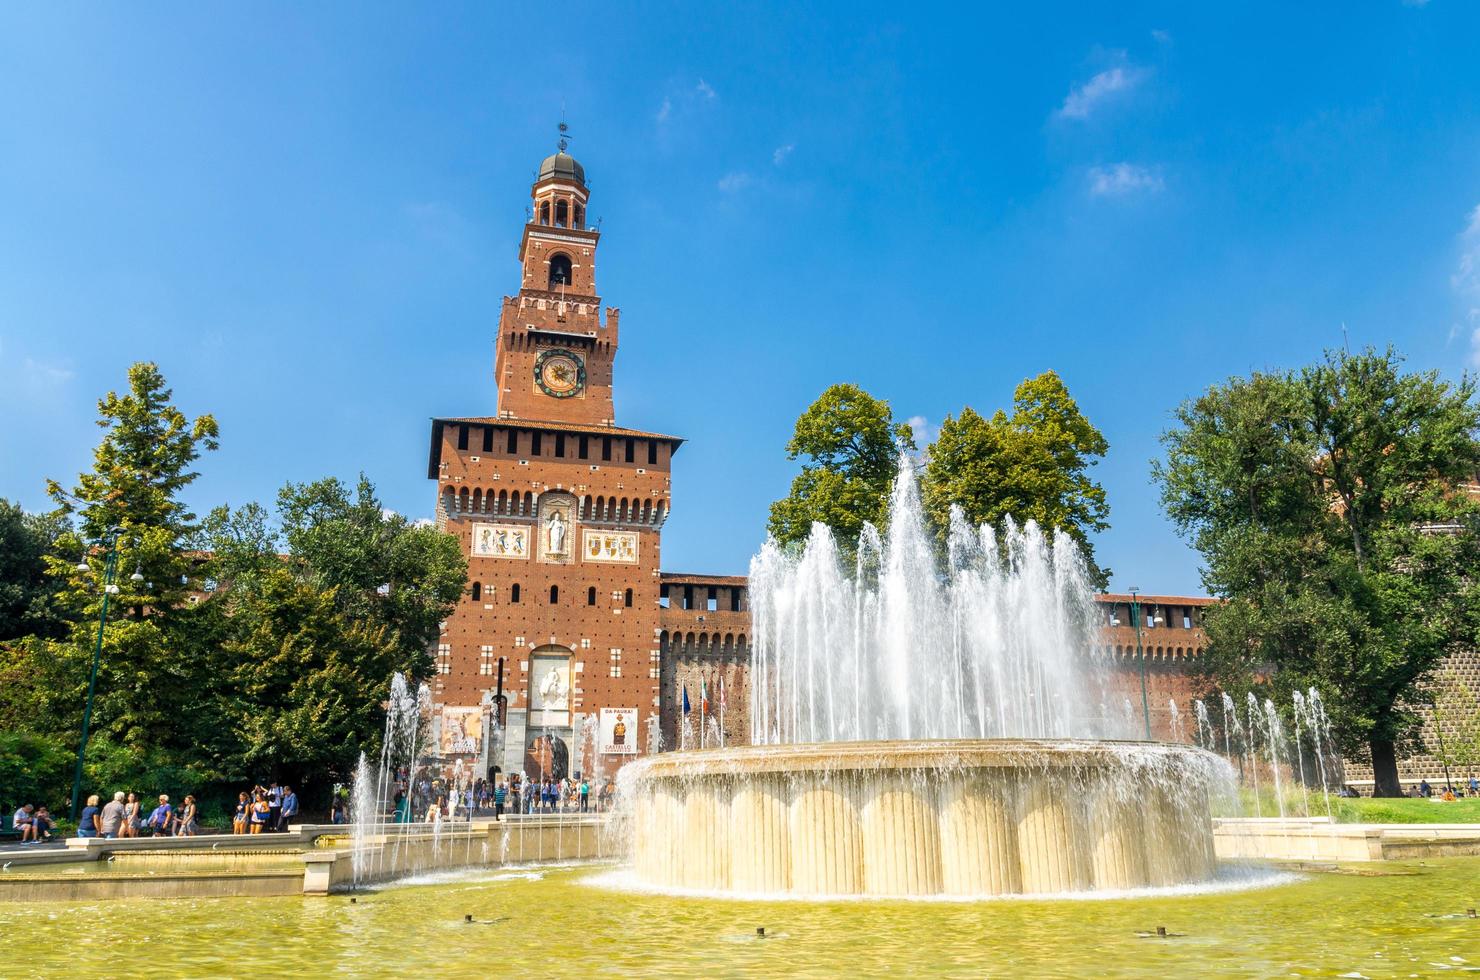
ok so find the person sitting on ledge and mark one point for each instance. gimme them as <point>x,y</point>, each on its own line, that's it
<point>88,824</point>
<point>1424,789</point>
<point>41,825</point>
<point>25,821</point>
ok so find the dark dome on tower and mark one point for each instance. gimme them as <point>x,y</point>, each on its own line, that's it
<point>562,164</point>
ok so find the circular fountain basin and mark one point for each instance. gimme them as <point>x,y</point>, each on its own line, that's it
<point>920,818</point>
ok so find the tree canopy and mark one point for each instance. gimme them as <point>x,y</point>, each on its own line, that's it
<point>1329,506</point>
<point>251,646</point>
<point>852,446</point>
<point>1030,465</point>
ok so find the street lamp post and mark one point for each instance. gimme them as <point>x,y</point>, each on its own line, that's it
<point>110,563</point>
<point>1141,656</point>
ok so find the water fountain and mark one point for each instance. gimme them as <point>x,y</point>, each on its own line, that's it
<point>926,725</point>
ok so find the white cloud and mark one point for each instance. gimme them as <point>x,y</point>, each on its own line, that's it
<point>1415,3</point>
<point>782,152</point>
<point>1120,179</point>
<point>687,98</point>
<point>922,430</point>
<point>41,373</point>
<point>1084,100</point>
<point>1466,282</point>
<point>735,181</point>
<point>1161,37</point>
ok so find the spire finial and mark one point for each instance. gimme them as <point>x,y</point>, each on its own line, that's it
<point>564,129</point>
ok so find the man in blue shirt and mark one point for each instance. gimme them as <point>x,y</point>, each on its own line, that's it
<point>289,808</point>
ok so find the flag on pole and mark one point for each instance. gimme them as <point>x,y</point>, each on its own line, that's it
<point>703,695</point>
<point>685,700</point>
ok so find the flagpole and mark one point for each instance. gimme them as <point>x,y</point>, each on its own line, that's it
<point>703,706</point>
<point>721,710</point>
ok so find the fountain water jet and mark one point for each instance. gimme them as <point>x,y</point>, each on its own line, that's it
<point>926,726</point>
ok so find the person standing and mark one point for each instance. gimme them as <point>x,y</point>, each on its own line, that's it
<point>185,822</point>
<point>242,815</point>
<point>585,793</point>
<point>500,794</point>
<point>113,817</point>
<point>132,821</point>
<point>87,824</point>
<point>163,817</point>
<point>274,805</point>
<point>288,810</point>
<point>261,810</point>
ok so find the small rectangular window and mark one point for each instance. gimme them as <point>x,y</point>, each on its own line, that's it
<point>585,447</point>
<point>734,600</point>
<point>631,450</point>
<point>462,437</point>
<point>652,452</point>
<point>560,445</point>
<point>688,597</point>
<point>513,442</point>
<point>711,604</point>
<point>606,449</point>
<point>488,439</point>
<point>662,597</point>
<point>534,444</point>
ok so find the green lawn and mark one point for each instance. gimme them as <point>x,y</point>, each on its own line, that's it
<point>1364,810</point>
<point>1359,810</point>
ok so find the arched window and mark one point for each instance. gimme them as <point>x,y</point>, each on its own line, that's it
<point>629,597</point>
<point>544,212</point>
<point>591,596</point>
<point>514,592</point>
<point>554,594</point>
<point>559,270</point>
<point>580,219</point>
<point>561,214</point>
<point>477,591</point>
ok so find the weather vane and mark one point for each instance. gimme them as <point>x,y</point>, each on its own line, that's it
<point>564,135</point>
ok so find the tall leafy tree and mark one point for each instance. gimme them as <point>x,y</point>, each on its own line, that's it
<point>851,445</point>
<point>1032,465</point>
<point>153,671</point>
<point>1329,506</point>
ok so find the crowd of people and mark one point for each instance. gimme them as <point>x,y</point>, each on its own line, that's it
<point>264,810</point>
<point>432,797</point>
<point>122,816</point>
<point>1448,794</point>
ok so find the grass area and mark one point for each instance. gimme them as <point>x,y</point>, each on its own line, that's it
<point>1359,810</point>
<point>1364,810</point>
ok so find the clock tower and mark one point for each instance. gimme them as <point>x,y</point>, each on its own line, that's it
<point>554,354</point>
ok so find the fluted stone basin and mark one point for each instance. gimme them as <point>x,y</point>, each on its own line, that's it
<point>900,818</point>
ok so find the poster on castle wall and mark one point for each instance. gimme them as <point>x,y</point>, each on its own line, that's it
<point>461,731</point>
<point>500,541</point>
<point>610,546</point>
<point>618,731</point>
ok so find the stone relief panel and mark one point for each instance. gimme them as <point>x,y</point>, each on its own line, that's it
<point>500,541</point>
<point>610,546</point>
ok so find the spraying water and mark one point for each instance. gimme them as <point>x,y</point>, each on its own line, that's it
<point>996,644</point>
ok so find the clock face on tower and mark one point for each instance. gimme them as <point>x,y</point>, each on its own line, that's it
<point>560,373</point>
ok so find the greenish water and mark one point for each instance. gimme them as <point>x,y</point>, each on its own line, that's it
<point>1388,921</point>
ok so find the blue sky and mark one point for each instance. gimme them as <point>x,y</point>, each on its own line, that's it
<point>308,214</point>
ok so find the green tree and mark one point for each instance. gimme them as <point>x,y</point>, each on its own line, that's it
<point>1329,508</point>
<point>27,592</point>
<point>852,446</point>
<point>384,568</point>
<point>1031,465</point>
<point>154,674</point>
